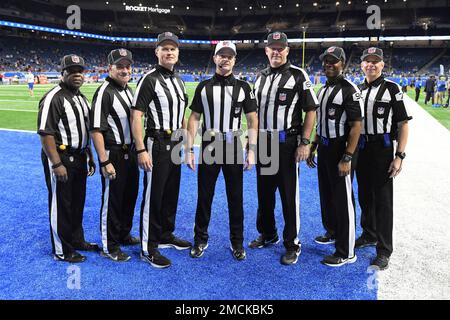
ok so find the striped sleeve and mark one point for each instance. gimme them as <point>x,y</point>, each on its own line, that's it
<point>250,100</point>
<point>399,112</point>
<point>197,105</point>
<point>100,109</point>
<point>309,99</point>
<point>144,93</point>
<point>49,113</point>
<point>353,103</point>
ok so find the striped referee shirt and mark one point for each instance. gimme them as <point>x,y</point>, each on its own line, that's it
<point>64,114</point>
<point>383,106</point>
<point>221,100</point>
<point>161,95</point>
<point>110,112</point>
<point>340,102</point>
<point>282,93</point>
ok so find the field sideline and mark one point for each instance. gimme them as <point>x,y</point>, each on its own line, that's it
<point>18,110</point>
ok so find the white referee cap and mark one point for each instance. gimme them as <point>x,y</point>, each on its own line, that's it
<point>225,46</point>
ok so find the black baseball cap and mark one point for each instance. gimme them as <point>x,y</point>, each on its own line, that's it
<point>167,36</point>
<point>116,55</point>
<point>277,38</point>
<point>72,60</point>
<point>372,51</point>
<point>336,52</point>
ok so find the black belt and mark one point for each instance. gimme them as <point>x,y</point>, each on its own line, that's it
<point>288,132</point>
<point>326,141</point>
<point>120,147</point>
<point>160,133</point>
<point>69,150</point>
<point>374,137</point>
<point>223,136</point>
<point>386,139</point>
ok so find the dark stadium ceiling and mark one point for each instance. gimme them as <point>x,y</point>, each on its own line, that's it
<point>233,19</point>
<point>237,7</point>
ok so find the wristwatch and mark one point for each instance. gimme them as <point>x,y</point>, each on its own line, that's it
<point>401,155</point>
<point>346,158</point>
<point>303,141</point>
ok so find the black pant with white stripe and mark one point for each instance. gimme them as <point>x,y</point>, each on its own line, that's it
<point>118,198</point>
<point>417,94</point>
<point>285,179</point>
<point>336,197</point>
<point>160,197</point>
<point>375,194</point>
<point>207,178</point>
<point>66,202</point>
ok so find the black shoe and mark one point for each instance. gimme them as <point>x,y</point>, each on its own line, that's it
<point>335,261</point>
<point>325,239</point>
<point>130,241</point>
<point>363,242</point>
<point>239,253</point>
<point>156,259</point>
<point>290,257</point>
<point>261,242</point>
<point>117,255</point>
<point>73,257</point>
<point>176,243</point>
<point>198,250</point>
<point>380,262</point>
<point>86,246</point>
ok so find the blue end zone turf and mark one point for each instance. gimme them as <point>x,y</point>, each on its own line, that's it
<point>29,272</point>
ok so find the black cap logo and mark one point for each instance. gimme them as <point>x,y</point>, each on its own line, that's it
<point>75,59</point>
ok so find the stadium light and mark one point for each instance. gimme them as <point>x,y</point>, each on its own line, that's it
<point>297,5</point>
<point>337,3</point>
<point>156,5</point>
<point>315,4</point>
<point>107,2</point>
<point>221,9</point>
<point>187,8</point>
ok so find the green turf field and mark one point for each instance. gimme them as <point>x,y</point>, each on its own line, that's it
<point>441,114</point>
<point>19,111</point>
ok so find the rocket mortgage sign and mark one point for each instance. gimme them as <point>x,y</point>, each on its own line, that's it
<point>147,9</point>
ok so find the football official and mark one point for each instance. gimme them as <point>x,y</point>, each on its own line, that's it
<point>386,120</point>
<point>111,134</point>
<point>339,119</point>
<point>222,100</point>
<point>161,96</point>
<point>63,121</point>
<point>283,93</point>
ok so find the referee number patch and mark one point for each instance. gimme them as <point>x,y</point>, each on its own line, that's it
<point>307,85</point>
<point>356,96</point>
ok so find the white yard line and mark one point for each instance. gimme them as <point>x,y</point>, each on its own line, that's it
<point>420,264</point>
<point>17,130</point>
<point>35,111</point>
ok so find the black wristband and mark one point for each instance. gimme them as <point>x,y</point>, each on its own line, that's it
<point>57,165</point>
<point>104,164</point>
<point>140,151</point>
